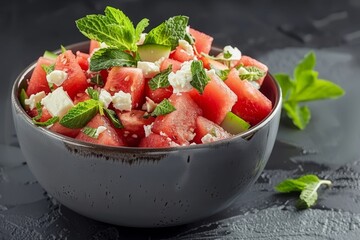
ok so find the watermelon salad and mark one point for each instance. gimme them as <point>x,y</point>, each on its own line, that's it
<point>158,88</point>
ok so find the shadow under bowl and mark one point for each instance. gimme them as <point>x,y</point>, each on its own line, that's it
<point>140,187</point>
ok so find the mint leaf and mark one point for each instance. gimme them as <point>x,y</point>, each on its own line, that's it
<point>110,57</point>
<point>252,73</point>
<point>227,55</point>
<point>63,49</point>
<point>97,80</point>
<point>89,131</point>
<point>199,77</point>
<point>48,68</point>
<point>307,185</point>
<point>307,63</point>
<point>79,115</point>
<point>47,123</point>
<point>169,32</point>
<point>306,86</point>
<point>223,74</point>
<point>161,79</point>
<point>163,108</point>
<point>300,115</point>
<point>114,28</point>
<point>113,118</point>
<point>189,38</point>
<point>22,96</point>
<point>94,94</point>
<point>39,112</point>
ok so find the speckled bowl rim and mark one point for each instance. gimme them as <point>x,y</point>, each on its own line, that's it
<point>72,141</point>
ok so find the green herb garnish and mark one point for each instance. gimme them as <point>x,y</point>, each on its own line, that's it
<point>22,97</point>
<point>199,77</point>
<point>46,123</point>
<point>223,74</point>
<point>252,73</point>
<point>114,28</point>
<point>163,108</point>
<point>48,68</point>
<point>94,94</point>
<point>79,115</point>
<point>161,79</point>
<point>307,185</point>
<point>89,131</point>
<point>110,57</point>
<point>39,112</point>
<point>113,118</point>
<point>97,80</point>
<point>305,86</point>
<point>169,32</point>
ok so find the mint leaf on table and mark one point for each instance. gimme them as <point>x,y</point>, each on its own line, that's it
<point>199,77</point>
<point>169,32</point>
<point>251,73</point>
<point>160,80</point>
<point>163,108</point>
<point>110,57</point>
<point>114,28</point>
<point>79,115</point>
<point>305,86</point>
<point>307,185</point>
<point>113,118</point>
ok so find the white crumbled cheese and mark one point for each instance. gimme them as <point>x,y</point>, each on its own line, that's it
<point>159,62</point>
<point>180,81</point>
<point>141,39</point>
<point>105,97</point>
<point>208,138</point>
<point>34,99</point>
<point>243,70</point>
<point>147,129</point>
<point>149,69</point>
<point>149,105</point>
<point>122,101</point>
<point>57,77</point>
<point>57,102</point>
<point>234,51</point>
<point>99,130</point>
<point>186,47</point>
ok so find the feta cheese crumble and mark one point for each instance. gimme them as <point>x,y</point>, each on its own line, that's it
<point>233,51</point>
<point>34,99</point>
<point>208,138</point>
<point>99,130</point>
<point>122,101</point>
<point>186,47</point>
<point>57,77</point>
<point>149,69</point>
<point>141,39</point>
<point>57,102</point>
<point>147,129</point>
<point>105,97</point>
<point>180,81</point>
<point>149,105</point>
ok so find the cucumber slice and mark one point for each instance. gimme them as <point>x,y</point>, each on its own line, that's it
<point>22,97</point>
<point>49,55</point>
<point>153,52</point>
<point>234,124</point>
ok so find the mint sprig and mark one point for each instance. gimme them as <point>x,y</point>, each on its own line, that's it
<point>94,94</point>
<point>97,80</point>
<point>89,131</point>
<point>163,108</point>
<point>307,185</point>
<point>114,28</point>
<point>199,77</point>
<point>161,79</point>
<point>39,112</point>
<point>79,115</point>
<point>47,122</point>
<point>304,87</point>
<point>113,118</point>
<point>110,57</point>
<point>48,68</point>
<point>252,73</point>
<point>169,32</point>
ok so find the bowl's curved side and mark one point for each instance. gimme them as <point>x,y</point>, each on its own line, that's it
<point>143,188</point>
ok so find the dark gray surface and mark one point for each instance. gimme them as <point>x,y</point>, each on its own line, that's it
<point>277,32</point>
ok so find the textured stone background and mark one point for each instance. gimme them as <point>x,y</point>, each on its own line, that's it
<point>278,32</point>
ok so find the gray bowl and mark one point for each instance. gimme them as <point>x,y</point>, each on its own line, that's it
<point>145,187</point>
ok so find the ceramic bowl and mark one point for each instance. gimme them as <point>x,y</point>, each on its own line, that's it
<point>140,187</point>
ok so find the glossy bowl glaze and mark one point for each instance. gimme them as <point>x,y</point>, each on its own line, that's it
<point>140,187</point>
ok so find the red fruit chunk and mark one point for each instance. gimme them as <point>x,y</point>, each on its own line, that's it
<point>93,45</point>
<point>129,80</point>
<point>252,105</point>
<point>108,137</point>
<point>175,65</point>
<point>248,61</point>
<point>76,81</point>
<point>82,59</point>
<point>202,41</point>
<point>155,141</point>
<point>38,82</point>
<point>205,126</point>
<point>216,100</point>
<point>58,128</point>
<point>44,116</point>
<point>133,122</point>
<point>181,55</point>
<point>159,94</point>
<point>180,124</point>
<point>81,97</point>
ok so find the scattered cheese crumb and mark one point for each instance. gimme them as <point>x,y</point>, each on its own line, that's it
<point>208,138</point>
<point>234,51</point>
<point>34,99</point>
<point>180,81</point>
<point>141,39</point>
<point>186,47</point>
<point>57,102</point>
<point>122,101</point>
<point>149,106</point>
<point>105,97</point>
<point>147,129</point>
<point>99,130</point>
<point>57,77</point>
<point>149,69</point>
